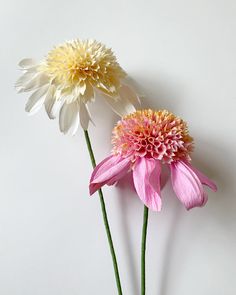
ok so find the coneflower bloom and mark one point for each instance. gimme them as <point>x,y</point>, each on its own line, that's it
<point>68,78</point>
<point>144,141</point>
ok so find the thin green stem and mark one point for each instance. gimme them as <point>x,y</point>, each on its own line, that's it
<point>143,250</point>
<point>105,219</point>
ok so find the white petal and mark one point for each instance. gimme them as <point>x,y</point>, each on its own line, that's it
<point>36,100</point>
<point>120,106</point>
<point>52,103</point>
<point>75,125</point>
<point>24,79</point>
<point>68,97</point>
<point>81,88</point>
<point>127,93</point>
<point>89,93</point>
<point>33,69</point>
<point>38,81</point>
<point>68,115</point>
<point>27,63</point>
<point>84,115</point>
<point>134,85</point>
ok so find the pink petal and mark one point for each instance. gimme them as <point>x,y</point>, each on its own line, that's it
<point>108,172</point>
<point>203,178</point>
<point>187,185</point>
<point>146,175</point>
<point>101,167</point>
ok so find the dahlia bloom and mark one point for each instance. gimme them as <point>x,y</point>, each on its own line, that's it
<point>68,78</point>
<point>144,141</point>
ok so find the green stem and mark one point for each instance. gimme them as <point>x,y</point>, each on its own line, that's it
<point>143,250</point>
<point>105,219</point>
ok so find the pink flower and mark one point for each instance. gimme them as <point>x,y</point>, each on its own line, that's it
<point>142,143</point>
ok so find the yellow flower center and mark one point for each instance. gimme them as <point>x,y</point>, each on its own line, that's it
<point>77,63</point>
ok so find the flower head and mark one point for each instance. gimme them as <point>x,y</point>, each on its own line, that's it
<point>142,142</point>
<point>68,78</point>
<point>153,134</point>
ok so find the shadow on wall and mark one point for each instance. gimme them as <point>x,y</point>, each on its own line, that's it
<point>128,200</point>
<point>166,95</point>
<point>219,211</point>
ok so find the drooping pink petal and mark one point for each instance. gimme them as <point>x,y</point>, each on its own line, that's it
<point>108,172</point>
<point>100,167</point>
<point>187,185</point>
<point>146,175</point>
<point>203,178</point>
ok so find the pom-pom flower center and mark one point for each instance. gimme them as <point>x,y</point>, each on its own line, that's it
<point>80,63</point>
<point>152,134</point>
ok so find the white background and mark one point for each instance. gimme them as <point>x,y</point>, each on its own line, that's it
<point>182,54</point>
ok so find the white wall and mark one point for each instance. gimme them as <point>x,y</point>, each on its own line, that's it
<point>182,54</point>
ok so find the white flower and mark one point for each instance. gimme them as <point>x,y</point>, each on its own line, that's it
<point>68,78</point>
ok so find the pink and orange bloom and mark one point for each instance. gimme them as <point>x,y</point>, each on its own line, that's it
<point>144,141</point>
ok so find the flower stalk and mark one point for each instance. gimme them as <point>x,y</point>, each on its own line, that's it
<point>143,250</point>
<point>105,219</point>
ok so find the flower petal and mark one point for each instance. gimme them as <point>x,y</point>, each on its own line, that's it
<point>101,167</point>
<point>84,115</point>
<point>119,105</point>
<point>203,178</point>
<point>128,94</point>
<point>75,125</point>
<point>88,94</point>
<point>36,100</point>
<point>108,172</point>
<point>187,185</point>
<point>38,81</point>
<point>81,87</point>
<point>52,103</point>
<point>146,175</point>
<point>69,115</point>
<point>24,79</point>
<point>27,63</point>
